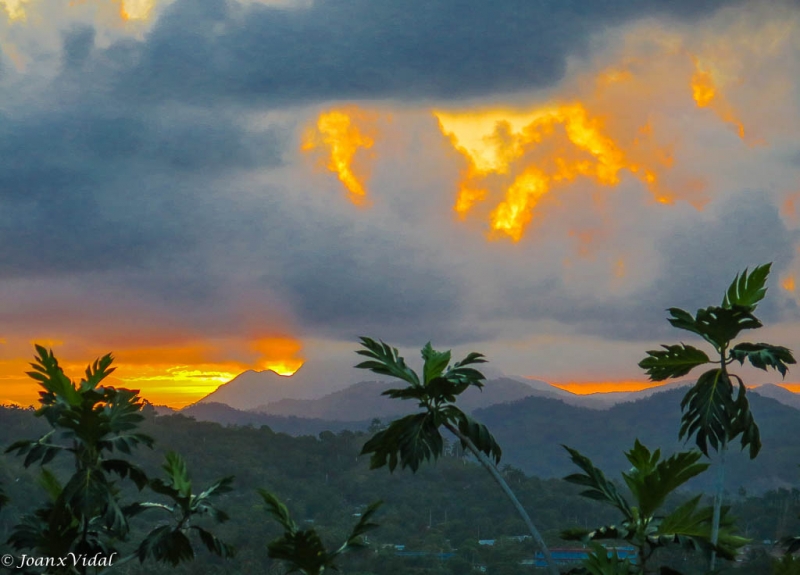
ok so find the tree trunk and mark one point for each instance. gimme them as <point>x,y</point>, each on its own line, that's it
<point>718,501</point>
<point>492,469</point>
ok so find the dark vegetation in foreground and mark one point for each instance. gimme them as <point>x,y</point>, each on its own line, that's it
<point>447,507</point>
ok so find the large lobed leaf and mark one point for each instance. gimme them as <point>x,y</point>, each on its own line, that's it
<point>673,361</point>
<point>651,480</point>
<point>463,374</point>
<point>435,363</point>
<point>385,360</point>
<point>214,544</point>
<point>364,525</point>
<point>97,372</point>
<point>124,469</point>
<point>279,511</point>
<point>476,432</point>
<point>166,545</point>
<point>713,416</point>
<point>303,550</point>
<point>690,526</point>
<point>409,440</point>
<point>763,356</point>
<point>58,389</point>
<point>708,411</point>
<point>40,450</point>
<point>746,291</point>
<point>600,488</point>
<point>178,486</point>
<point>717,325</point>
<point>602,561</point>
<point>744,423</point>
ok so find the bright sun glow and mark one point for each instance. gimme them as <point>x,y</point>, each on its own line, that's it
<point>170,375</point>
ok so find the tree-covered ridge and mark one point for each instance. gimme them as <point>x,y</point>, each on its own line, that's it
<point>531,432</point>
<point>447,507</point>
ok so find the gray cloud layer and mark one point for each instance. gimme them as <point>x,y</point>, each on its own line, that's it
<point>129,167</point>
<point>203,50</point>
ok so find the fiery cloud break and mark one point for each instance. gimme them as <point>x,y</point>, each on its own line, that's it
<point>707,95</point>
<point>136,9</point>
<point>340,134</point>
<point>508,144</point>
<point>129,10</point>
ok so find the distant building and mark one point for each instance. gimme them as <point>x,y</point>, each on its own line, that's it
<point>520,538</point>
<point>572,556</point>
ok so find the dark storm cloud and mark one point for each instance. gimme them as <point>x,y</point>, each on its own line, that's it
<point>94,186</point>
<point>78,43</point>
<point>202,50</point>
<point>350,284</point>
<point>700,259</point>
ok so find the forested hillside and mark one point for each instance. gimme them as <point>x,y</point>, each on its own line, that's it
<point>531,432</point>
<point>444,508</point>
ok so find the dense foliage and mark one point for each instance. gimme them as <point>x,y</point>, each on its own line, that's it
<point>417,437</point>
<point>84,517</point>
<point>712,413</point>
<point>445,507</point>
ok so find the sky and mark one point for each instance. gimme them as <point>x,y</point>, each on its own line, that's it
<point>204,187</point>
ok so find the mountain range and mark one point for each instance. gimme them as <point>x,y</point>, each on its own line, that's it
<point>268,392</point>
<point>531,420</point>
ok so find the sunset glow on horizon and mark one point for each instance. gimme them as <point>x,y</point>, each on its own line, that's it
<point>170,375</point>
<point>590,387</point>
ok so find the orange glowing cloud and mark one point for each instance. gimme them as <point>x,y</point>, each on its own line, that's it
<point>175,375</point>
<point>15,9</point>
<point>136,9</point>
<point>537,152</point>
<point>707,94</point>
<point>602,128</point>
<point>126,10</point>
<point>339,135</point>
<point>789,207</point>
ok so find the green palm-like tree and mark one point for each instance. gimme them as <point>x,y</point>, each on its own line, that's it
<point>644,525</point>
<point>415,438</point>
<point>170,543</point>
<point>715,411</point>
<point>302,550</point>
<point>98,426</point>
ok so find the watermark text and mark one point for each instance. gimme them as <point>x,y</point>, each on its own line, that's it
<point>69,560</point>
